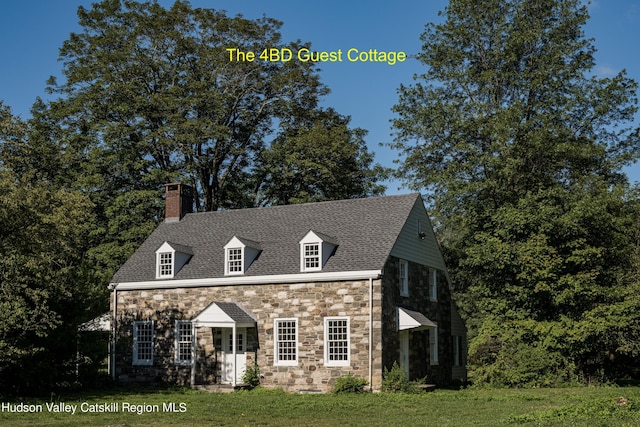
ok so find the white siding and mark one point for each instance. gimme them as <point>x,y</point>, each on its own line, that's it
<point>410,247</point>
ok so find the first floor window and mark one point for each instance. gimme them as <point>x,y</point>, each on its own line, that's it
<point>143,342</point>
<point>336,341</point>
<point>184,342</point>
<point>457,351</point>
<point>286,342</point>
<point>433,345</point>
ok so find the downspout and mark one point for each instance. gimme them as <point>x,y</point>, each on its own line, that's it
<point>112,362</point>
<point>235,357</point>
<point>194,333</point>
<point>370,334</point>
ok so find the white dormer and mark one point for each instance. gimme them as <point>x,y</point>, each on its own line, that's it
<point>239,253</point>
<point>315,250</point>
<point>170,258</point>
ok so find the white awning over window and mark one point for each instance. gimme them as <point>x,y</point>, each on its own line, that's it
<point>409,319</point>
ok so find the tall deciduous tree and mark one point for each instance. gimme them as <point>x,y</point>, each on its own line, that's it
<point>153,95</point>
<point>46,287</point>
<point>519,147</point>
<point>318,157</point>
<point>158,91</point>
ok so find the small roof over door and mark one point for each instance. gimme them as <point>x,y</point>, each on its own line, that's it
<point>224,315</point>
<point>409,319</point>
<point>100,323</point>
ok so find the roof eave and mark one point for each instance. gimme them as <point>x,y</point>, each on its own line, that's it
<point>251,280</point>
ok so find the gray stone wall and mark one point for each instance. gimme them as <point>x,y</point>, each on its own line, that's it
<point>310,303</point>
<point>437,311</point>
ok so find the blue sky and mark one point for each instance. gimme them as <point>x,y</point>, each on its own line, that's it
<point>32,31</point>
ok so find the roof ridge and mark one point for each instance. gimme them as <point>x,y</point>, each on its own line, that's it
<point>323,202</point>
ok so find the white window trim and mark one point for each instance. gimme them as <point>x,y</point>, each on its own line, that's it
<point>404,278</point>
<point>327,361</point>
<point>136,359</point>
<point>227,270</point>
<point>325,250</point>
<point>317,257</point>
<point>433,284</point>
<point>276,356</point>
<point>159,264</point>
<point>433,346</point>
<point>178,360</point>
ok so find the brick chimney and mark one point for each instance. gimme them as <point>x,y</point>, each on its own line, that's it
<point>178,202</point>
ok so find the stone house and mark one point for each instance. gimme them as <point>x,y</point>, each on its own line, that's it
<point>307,292</point>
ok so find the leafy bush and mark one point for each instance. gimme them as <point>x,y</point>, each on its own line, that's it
<point>350,384</point>
<point>251,376</point>
<point>522,353</point>
<point>396,381</point>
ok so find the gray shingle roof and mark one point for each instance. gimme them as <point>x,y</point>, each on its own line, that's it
<point>365,231</point>
<point>235,312</point>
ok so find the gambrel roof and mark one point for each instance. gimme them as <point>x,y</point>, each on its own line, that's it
<point>364,232</point>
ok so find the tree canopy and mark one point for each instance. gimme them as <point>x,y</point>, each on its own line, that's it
<point>148,96</point>
<point>155,90</point>
<point>520,147</point>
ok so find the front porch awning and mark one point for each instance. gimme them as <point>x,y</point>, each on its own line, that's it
<point>101,323</point>
<point>224,315</point>
<point>409,319</point>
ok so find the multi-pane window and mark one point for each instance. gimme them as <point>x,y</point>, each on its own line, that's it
<point>457,350</point>
<point>336,339</point>
<point>433,285</point>
<point>165,264</point>
<point>234,260</point>
<point>311,256</point>
<point>143,342</point>
<point>239,343</point>
<point>286,341</point>
<point>404,278</point>
<point>433,345</point>
<point>184,342</point>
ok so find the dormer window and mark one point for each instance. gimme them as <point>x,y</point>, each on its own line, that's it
<point>234,261</point>
<point>239,253</point>
<point>315,250</point>
<point>170,258</point>
<point>311,256</point>
<point>165,264</point>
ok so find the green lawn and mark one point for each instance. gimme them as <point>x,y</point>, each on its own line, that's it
<point>547,407</point>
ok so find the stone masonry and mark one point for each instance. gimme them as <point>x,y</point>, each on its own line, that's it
<point>310,303</point>
<point>418,300</point>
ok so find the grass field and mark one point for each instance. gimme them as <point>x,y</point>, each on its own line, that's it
<point>541,407</point>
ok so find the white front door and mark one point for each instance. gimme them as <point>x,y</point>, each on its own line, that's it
<point>228,357</point>
<point>404,351</point>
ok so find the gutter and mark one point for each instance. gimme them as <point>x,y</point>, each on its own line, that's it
<point>250,280</point>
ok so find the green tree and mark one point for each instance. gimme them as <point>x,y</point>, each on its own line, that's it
<point>157,91</point>
<point>150,96</point>
<point>46,285</point>
<point>316,159</point>
<point>520,150</point>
